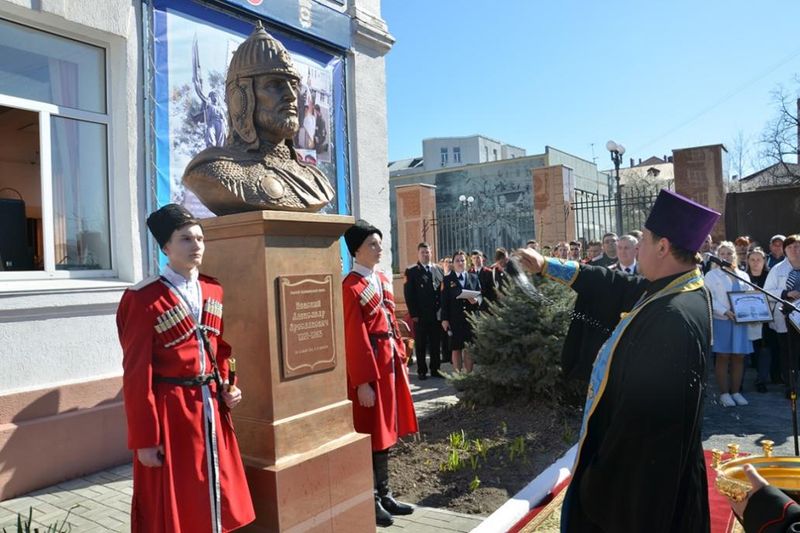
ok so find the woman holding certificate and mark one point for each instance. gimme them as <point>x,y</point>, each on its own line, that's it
<point>730,340</point>
<point>460,296</point>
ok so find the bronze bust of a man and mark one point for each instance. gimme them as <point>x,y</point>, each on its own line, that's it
<point>257,167</point>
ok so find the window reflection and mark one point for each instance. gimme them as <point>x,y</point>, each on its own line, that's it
<point>40,66</point>
<point>80,195</point>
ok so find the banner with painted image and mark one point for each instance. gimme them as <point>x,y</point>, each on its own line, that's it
<point>192,47</point>
<point>315,101</point>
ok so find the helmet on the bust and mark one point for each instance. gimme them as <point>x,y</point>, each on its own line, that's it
<point>260,54</point>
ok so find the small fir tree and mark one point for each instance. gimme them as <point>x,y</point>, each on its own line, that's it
<point>517,349</point>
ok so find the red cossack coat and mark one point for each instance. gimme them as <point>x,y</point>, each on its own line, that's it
<point>375,357</point>
<point>159,338</point>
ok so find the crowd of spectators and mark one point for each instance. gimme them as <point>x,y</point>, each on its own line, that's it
<point>764,346</point>
<point>439,304</point>
<point>770,347</point>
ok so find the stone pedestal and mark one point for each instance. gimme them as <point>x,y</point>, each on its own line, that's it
<point>699,175</point>
<point>416,211</point>
<point>554,191</point>
<point>307,468</point>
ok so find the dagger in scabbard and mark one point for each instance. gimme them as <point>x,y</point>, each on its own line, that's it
<point>231,374</point>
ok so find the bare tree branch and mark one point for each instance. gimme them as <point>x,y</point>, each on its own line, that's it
<point>779,140</point>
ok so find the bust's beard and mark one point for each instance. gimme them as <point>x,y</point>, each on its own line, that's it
<point>285,126</point>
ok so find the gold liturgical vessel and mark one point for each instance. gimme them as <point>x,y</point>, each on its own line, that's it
<point>781,472</point>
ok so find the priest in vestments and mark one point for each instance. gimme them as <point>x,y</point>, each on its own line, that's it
<point>640,465</point>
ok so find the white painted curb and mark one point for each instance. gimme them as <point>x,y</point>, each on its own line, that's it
<point>517,507</point>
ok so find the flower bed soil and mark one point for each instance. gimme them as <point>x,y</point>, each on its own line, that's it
<point>517,442</point>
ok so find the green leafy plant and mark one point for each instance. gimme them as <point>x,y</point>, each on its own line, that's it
<point>453,460</point>
<point>474,484</point>
<point>516,448</point>
<point>458,441</point>
<point>480,448</point>
<point>24,526</point>
<point>568,435</point>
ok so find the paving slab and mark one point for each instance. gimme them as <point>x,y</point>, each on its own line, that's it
<point>103,498</point>
<point>428,520</point>
<point>769,416</point>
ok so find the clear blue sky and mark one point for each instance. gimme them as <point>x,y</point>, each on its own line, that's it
<point>650,75</point>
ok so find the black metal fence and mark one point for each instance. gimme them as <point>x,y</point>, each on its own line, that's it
<point>595,214</point>
<point>763,213</point>
<point>465,229</point>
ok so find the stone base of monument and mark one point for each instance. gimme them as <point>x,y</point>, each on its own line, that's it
<point>307,468</point>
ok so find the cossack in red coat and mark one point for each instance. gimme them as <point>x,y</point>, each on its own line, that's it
<point>159,338</point>
<point>375,355</point>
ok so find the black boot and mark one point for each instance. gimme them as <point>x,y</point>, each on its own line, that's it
<point>380,464</point>
<point>394,507</point>
<point>382,516</point>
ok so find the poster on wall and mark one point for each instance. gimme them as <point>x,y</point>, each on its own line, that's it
<point>192,47</point>
<point>315,101</point>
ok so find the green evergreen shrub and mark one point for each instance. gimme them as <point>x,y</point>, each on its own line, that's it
<point>517,349</point>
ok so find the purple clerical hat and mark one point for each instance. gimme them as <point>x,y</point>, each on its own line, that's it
<point>684,222</point>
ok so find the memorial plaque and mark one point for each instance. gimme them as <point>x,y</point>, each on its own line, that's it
<point>306,315</point>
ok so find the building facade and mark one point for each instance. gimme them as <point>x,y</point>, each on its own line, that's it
<point>775,175</point>
<point>486,204</point>
<point>448,152</point>
<point>101,105</point>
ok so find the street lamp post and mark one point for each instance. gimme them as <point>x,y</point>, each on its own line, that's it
<point>466,202</point>
<point>617,151</point>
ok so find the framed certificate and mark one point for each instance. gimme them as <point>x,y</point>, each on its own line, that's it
<point>794,320</point>
<point>750,307</point>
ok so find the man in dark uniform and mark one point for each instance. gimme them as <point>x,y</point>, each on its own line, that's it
<point>593,319</point>
<point>421,290</point>
<point>594,252</point>
<point>575,248</point>
<point>609,256</point>
<point>627,246</point>
<point>485,277</point>
<point>639,465</point>
<point>499,277</point>
<point>705,252</point>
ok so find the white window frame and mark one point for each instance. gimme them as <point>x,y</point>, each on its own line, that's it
<point>456,154</point>
<point>46,111</point>
<point>444,156</point>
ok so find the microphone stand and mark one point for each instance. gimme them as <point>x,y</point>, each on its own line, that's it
<point>787,309</point>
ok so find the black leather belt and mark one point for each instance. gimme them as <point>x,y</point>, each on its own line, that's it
<point>387,335</point>
<point>196,381</point>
